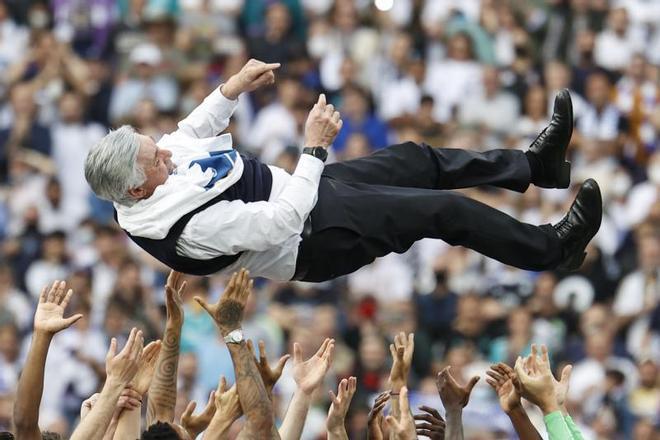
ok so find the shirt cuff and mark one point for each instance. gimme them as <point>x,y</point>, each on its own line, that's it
<point>223,106</point>
<point>553,416</point>
<point>309,167</point>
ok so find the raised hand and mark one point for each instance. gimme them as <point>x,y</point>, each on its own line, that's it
<point>146,368</point>
<point>195,424</point>
<point>404,428</point>
<point>121,368</point>
<point>536,381</point>
<point>500,377</point>
<point>402,353</point>
<point>375,420</point>
<point>322,125</point>
<point>49,317</point>
<point>340,405</point>
<point>269,375</point>
<point>226,401</point>
<point>453,395</point>
<point>228,312</point>
<point>431,424</point>
<point>174,291</point>
<point>309,374</point>
<point>253,75</point>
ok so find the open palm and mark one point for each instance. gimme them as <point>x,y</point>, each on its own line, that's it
<point>49,316</point>
<point>310,373</point>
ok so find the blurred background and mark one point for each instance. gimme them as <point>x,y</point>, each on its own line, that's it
<point>476,74</point>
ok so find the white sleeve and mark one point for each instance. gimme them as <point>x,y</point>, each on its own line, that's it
<point>209,118</point>
<point>229,227</point>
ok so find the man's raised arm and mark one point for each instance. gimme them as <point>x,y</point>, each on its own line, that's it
<point>252,393</point>
<point>48,320</point>
<point>211,117</point>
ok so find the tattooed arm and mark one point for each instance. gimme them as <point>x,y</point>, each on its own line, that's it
<point>252,393</point>
<point>162,391</point>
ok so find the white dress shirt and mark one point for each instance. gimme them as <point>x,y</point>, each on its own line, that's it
<point>266,232</point>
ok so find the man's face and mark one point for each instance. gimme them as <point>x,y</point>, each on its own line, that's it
<point>157,165</point>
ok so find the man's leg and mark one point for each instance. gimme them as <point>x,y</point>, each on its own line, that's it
<point>391,219</point>
<point>421,166</point>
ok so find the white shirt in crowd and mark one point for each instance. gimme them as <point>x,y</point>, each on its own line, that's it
<point>267,233</point>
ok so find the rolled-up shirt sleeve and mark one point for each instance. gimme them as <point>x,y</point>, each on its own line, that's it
<point>230,227</point>
<point>209,118</point>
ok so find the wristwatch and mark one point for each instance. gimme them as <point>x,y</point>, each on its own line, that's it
<point>317,152</point>
<point>234,336</point>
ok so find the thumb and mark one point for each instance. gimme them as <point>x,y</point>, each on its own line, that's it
<point>189,410</point>
<point>472,383</point>
<point>203,305</point>
<point>72,319</point>
<point>112,351</point>
<point>566,374</point>
<point>280,364</point>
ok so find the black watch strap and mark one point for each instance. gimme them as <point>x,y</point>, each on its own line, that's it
<point>317,152</point>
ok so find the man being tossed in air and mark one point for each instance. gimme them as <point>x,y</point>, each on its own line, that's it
<point>197,205</point>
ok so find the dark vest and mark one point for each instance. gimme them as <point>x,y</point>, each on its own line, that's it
<point>253,186</point>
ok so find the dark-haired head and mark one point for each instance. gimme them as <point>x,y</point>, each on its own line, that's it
<point>161,431</point>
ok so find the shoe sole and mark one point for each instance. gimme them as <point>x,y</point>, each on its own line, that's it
<point>564,175</point>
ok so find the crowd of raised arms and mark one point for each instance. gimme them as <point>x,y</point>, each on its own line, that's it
<point>144,374</point>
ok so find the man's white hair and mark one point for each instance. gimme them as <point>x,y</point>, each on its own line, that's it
<point>111,167</point>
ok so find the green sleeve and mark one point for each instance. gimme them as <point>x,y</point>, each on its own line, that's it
<point>575,432</point>
<point>556,427</point>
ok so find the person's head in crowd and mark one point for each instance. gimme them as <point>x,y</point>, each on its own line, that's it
<point>556,75</point>
<point>598,90</point>
<point>160,26</point>
<point>145,116</point>
<point>645,429</point>
<point>80,281</point>
<point>4,11</point>
<point>355,103</point>
<point>6,277</point>
<point>53,247</point>
<point>278,21</point>
<point>460,48</point>
<point>400,49</point>
<point>542,301</point>
<point>288,159</point>
<point>519,323</point>
<point>164,431</point>
<point>618,21</point>
<point>599,346</point>
<point>348,71</point>
<point>345,16</point>
<point>116,318</point>
<point>372,352</point>
<point>21,98</point>
<point>585,41</point>
<point>188,369</point>
<point>145,59</point>
<point>128,285</point>
<point>54,192</point>
<point>647,237</point>
<point>288,91</point>
<point>614,380</point>
<point>44,47</point>
<point>637,68</point>
<point>325,320</point>
<point>10,347</point>
<point>5,435</point>
<point>48,435</point>
<point>357,145</point>
<point>595,320</point>
<point>535,105</point>
<point>108,244</point>
<point>469,319</point>
<point>490,80</point>
<point>71,107</point>
<point>648,374</point>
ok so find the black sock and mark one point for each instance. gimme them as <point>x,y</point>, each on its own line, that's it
<point>535,165</point>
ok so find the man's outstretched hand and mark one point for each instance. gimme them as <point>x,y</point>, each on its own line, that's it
<point>49,317</point>
<point>228,312</point>
<point>323,124</point>
<point>253,75</point>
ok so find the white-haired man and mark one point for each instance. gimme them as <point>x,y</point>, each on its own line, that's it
<point>200,207</point>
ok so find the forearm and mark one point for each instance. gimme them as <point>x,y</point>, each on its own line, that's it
<point>252,393</point>
<point>338,433</point>
<point>95,425</point>
<point>523,426</point>
<point>294,419</point>
<point>162,391</point>
<point>218,429</point>
<point>556,426</point>
<point>454,429</point>
<point>30,388</point>
<point>575,431</point>
<point>128,425</point>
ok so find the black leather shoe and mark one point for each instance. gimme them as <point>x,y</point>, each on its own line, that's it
<point>580,225</point>
<point>550,146</point>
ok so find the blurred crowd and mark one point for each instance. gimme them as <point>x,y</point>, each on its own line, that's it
<point>476,74</point>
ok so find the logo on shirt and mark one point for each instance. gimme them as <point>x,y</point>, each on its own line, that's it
<point>219,162</point>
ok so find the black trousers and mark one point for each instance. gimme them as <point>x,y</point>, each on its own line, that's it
<point>385,202</point>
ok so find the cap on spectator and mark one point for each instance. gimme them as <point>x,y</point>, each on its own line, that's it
<point>146,53</point>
